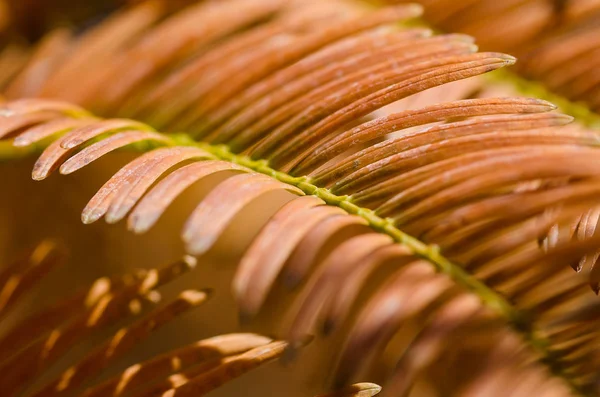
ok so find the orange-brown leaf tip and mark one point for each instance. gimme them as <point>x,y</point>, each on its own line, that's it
<point>198,246</point>
<point>465,38</point>
<point>20,142</point>
<point>135,306</point>
<point>547,104</point>
<point>71,144</point>
<point>153,296</point>
<point>357,390</point>
<point>508,59</point>
<point>111,218</point>
<point>88,217</point>
<point>369,389</point>
<point>6,112</point>
<point>68,168</point>
<point>36,176</point>
<point>195,297</point>
<point>190,261</point>
<point>413,10</point>
<point>136,224</point>
<point>39,172</point>
<point>426,33</point>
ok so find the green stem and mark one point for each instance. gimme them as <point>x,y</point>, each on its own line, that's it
<point>518,320</point>
<point>431,253</point>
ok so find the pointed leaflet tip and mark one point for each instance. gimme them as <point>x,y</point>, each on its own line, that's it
<point>37,176</point>
<point>153,296</point>
<point>20,142</point>
<point>67,169</point>
<point>196,297</point>
<point>509,59</point>
<point>546,106</point>
<point>90,217</point>
<point>473,48</point>
<point>190,261</point>
<point>465,38</point>
<point>550,105</point>
<point>414,10</point>
<point>198,247</point>
<point>357,390</point>
<point>111,219</point>
<point>425,33</point>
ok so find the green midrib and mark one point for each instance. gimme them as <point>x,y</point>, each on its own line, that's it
<point>518,320</point>
<point>431,253</point>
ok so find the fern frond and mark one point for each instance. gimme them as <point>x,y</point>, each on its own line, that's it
<point>123,340</point>
<point>229,369</point>
<point>23,275</point>
<point>211,351</point>
<point>261,266</point>
<point>289,95</point>
<point>556,43</point>
<point>207,362</point>
<point>32,327</point>
<point>582,112</point>
<point>21,368</point>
